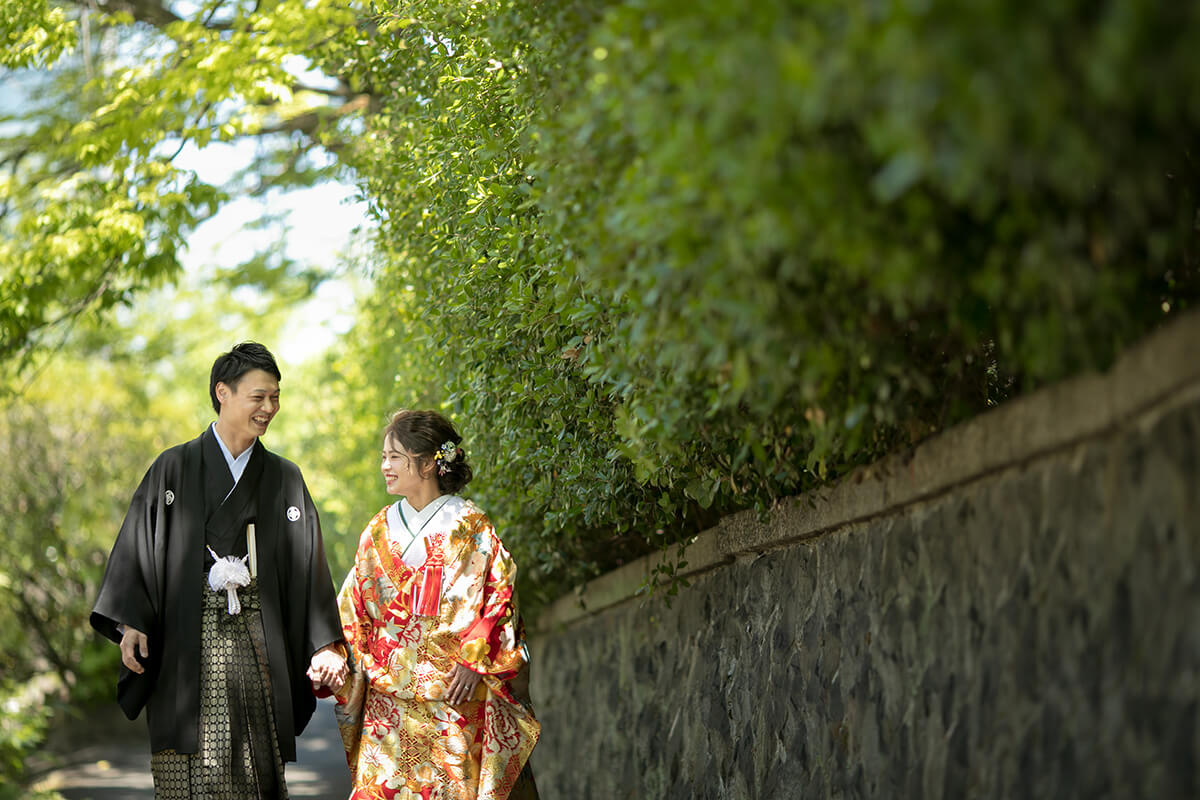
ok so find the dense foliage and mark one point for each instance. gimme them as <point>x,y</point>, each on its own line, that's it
<point>103,98</point>
<point>660,260</point>
<point>63,490</point>
<point>665,259</point>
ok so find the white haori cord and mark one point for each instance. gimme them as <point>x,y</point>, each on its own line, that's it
<point>229,574</point>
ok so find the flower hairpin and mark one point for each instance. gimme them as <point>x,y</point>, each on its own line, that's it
<point>446,455</point>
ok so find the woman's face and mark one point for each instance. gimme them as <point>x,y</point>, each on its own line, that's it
<point>401,469</point>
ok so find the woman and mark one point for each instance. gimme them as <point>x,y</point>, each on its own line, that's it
<point>430,615</point>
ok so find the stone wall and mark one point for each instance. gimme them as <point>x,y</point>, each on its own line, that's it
<point>1012,610</point>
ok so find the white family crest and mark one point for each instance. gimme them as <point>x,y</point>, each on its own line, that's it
<point>293,513</point>
<point>169,497</point>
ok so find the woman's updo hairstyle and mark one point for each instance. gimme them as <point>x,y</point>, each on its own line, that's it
<point>430,437</point>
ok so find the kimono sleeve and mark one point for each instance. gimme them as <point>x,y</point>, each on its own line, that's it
<point>128,591</point>
<point>495,644</point>
<point>356,620</point>
<point>324,626</point>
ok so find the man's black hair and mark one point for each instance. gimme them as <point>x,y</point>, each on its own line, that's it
<point>230,367</point>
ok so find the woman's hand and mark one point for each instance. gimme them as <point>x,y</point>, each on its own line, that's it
<point>328,668</point>
<point>462,684</point>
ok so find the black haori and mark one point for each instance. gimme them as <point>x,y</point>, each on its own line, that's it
<point>238,756</point>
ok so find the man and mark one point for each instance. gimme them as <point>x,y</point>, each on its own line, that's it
<point>218,592</point>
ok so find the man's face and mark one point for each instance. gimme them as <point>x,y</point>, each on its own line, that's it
<point>247,410</point>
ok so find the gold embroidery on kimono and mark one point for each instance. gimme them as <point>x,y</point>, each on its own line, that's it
<point>407,626</point>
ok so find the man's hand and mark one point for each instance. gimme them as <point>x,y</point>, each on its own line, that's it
<point>132,640</point>
<point>462,684</point>
<point>328,668</point>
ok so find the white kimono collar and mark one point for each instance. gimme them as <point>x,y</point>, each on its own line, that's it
<point>436,516</point>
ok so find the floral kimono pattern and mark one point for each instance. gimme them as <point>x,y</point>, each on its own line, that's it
<point>406,627</point>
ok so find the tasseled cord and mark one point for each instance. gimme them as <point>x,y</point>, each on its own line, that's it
<point>229,574</point>
<point>428,600</point>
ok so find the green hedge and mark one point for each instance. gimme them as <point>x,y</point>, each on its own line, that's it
<point>22,732</point>
<point>669,258</point>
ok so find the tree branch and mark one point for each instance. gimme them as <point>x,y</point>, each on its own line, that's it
<point>151,12</point>
<point>64,668</point>
<point>310,122</point>
<point>148,11</point>
<point>342,90</point>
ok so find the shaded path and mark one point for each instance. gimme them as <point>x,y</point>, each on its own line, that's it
<point>108,758</point>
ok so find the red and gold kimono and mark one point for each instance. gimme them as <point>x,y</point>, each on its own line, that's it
<point>429,590</point>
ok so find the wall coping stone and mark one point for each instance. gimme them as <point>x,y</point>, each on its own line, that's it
<point>1160,373</point>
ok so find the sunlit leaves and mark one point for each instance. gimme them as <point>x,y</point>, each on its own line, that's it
<point>33,33</point>
<point>667,259</point>
<point>93,209</point>
<point>85,242</point>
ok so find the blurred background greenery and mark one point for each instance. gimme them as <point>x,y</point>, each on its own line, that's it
<point>660,260</point>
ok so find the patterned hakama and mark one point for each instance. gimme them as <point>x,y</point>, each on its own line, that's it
<point>238,756</point>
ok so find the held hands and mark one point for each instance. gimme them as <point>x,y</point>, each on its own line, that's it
<point>462,684</point>
<point>328,668</point>
<point>133,639</point>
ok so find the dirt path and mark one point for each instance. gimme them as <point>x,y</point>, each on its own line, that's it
<point>108,758</point>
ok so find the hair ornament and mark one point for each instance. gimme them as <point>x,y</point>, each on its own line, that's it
<point>446,455</point>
